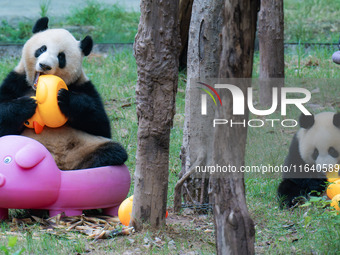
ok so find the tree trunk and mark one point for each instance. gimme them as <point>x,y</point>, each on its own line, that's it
<point>271,39</point>
<point>235,232</point>
<point>203,63</point>
<point>156,51</point>
<point>185,7</point>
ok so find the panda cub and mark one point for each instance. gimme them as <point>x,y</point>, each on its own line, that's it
<point>84,141</point>
<point>314,148</point>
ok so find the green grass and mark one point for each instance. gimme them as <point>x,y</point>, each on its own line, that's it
<point>110,23</point>
<point>10,34</point>
<point>304,230</point>
<point>115,77</point>
<point>309,229</point>
<point>312,21</point>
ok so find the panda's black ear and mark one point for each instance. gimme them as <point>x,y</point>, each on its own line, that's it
<point>336,120</point>
<point>40,25</point>
<point>306,121</point>
<point>86,45</point>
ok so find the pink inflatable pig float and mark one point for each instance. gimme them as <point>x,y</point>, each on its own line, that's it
<point>30,179</point>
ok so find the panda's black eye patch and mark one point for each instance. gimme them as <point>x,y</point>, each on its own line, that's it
<point>315,154</point>
<point>333,152</point>
<point>62,59</point>
<point>40,51</point>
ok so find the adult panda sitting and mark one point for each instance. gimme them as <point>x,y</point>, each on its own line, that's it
<point>314,150</point>
<point>85,140</point>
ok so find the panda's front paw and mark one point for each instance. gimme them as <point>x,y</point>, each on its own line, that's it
<point>64,101</point>
<point>26,107</point>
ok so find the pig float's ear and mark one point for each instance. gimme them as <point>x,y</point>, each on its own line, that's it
<point>29,156</point>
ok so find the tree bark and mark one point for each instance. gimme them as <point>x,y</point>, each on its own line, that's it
<point>185,8</point>
<point>203,63</point>
<point>235,232</point>
<point>271,43</point>
<point>156,50</point>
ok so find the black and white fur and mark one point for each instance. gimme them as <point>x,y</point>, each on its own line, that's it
<point>314,148</point>
<point>85,140</point>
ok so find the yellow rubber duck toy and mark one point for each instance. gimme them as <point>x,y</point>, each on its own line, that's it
<point>47,112</point>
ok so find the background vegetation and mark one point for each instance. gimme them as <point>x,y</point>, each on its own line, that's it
<point>312,229</point>
<point>312,21</point>
<point>105,23</point>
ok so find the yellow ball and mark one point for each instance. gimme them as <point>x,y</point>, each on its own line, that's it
<point>125,210</point>
<point>335,202</point>
<point>333,189</point>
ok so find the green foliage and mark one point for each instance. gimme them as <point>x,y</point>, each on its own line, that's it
<point>317,201</point>
<point>309,229</point>
<point>44,6</point>
<point>18,34</point>
<point>305,21</point>
<point>314,227</point>
<point>115,77</point>
<point>9,249</point>
<point>110,23</point>
<point>311,21</point>
<point>176,138</point>
<point>304,230</point>
<point>105,23</point>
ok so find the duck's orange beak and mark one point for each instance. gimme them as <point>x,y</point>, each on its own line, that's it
<point>37,127</point>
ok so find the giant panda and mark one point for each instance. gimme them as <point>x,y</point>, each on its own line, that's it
<point>85,140</point>
<point>314,150</point>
